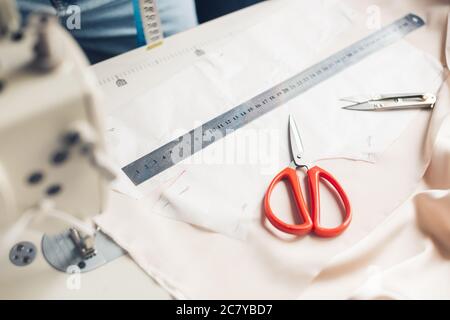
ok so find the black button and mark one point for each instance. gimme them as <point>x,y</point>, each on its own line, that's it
<point>17,36</point>
<point>71,138</point>
<point>54,190</point>
<point>59,157</point>
<point>35,177</point>
<point>81,264</point>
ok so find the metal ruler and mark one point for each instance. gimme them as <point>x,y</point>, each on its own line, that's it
<point>199,138</point>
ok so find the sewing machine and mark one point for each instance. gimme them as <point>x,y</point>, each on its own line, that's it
<point>54,167</point>
<point>50,111</point>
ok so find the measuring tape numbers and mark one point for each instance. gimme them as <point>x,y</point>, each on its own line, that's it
<point>148,22</point>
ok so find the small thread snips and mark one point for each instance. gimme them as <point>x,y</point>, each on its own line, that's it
<point>384,102</point>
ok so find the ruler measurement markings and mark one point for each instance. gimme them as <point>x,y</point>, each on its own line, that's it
<point>184,51</point>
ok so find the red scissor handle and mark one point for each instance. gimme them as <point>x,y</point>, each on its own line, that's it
<point>314,175</point>
<point>309,224</point>
<point>298,229</point>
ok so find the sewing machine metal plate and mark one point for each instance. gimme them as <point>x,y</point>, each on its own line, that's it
<point>61,252</point>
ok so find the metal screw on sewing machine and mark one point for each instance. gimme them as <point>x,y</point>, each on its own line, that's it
<point>35,177</point>
<point>17,36</point>
<point>59,157</point>
<point>48,51</point>
<point>22,254</point>
<point>71,138</point>
<point>53,190</point>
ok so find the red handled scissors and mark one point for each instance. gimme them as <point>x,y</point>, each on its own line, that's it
<point>311,222</point>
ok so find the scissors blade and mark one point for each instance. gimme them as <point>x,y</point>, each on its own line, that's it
<point>365,106</point>
<point>357,99</point>
<point>295,141</point>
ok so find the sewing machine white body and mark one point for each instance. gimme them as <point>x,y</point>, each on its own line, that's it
<point>53,157</point>
<point>40,107</point>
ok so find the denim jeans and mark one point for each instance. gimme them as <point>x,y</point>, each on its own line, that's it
<point>108,27</point>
